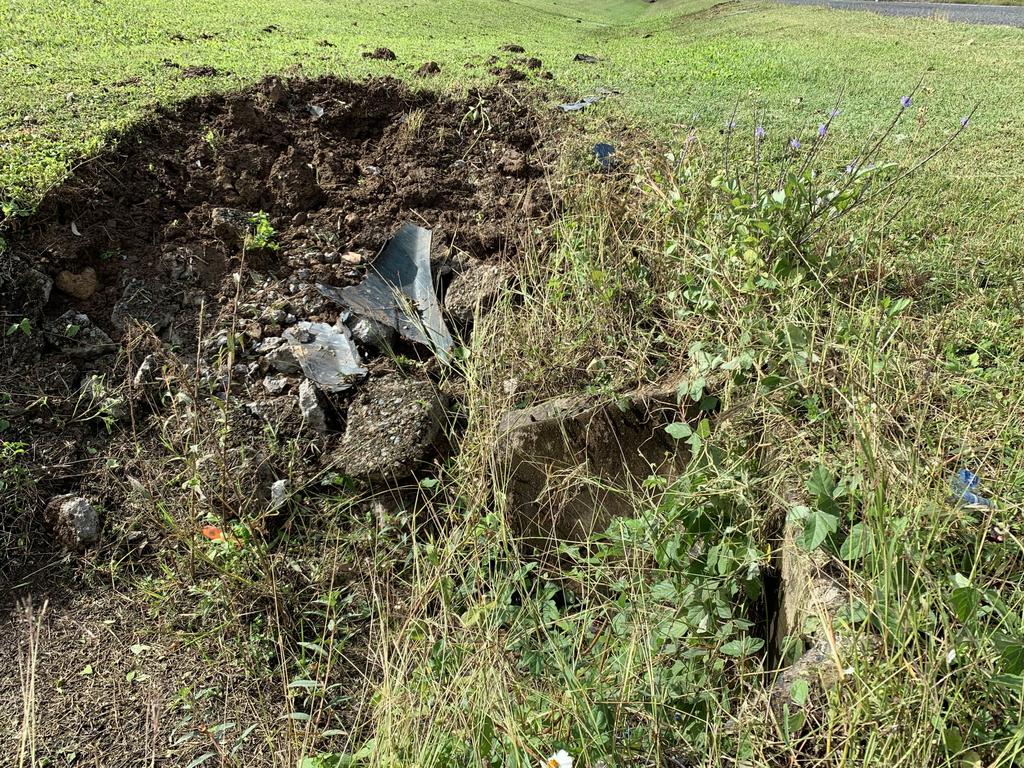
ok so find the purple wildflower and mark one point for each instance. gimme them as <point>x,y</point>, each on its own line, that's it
<point>759,132</point>
<point>964,121</point>
<point>833,114</point>
<point>905,101</point>
<point>822,130</point>
<point>850,168</point>
<point>794,144</point>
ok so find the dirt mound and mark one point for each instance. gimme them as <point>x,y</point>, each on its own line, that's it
<point>212,224</point>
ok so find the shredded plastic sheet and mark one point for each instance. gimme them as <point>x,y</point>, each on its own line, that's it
<point>399,292</point>
<point>603,154</point>
<point>965,485</point>
<point>326,354</point>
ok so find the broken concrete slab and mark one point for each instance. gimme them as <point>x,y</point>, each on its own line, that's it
<point>567,465</point>
<point>399,292</point>
<point>396,427</point>
<point>810,599</point>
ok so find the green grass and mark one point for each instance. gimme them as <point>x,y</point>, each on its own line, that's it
<point>890,364</point>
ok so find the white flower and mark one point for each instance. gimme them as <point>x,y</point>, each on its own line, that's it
<point>561,759</point>
<point>951,656</point>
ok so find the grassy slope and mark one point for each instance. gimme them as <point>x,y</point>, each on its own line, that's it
<point>963,228</point>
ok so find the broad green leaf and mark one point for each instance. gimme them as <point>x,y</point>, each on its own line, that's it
<point>743,646</point>
<point>799,691</point>
<point>966,601</point>
<point>859,543</point>
<point>817,528</point>
<point>679,430</point>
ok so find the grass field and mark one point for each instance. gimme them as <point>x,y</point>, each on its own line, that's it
<point>859,369</point>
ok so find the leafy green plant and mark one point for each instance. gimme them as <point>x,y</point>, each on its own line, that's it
<point>263,235</point>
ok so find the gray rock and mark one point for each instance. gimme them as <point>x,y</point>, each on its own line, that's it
<point>275,385</point>
<point>476,289</point>
<point>75,335</point>
<point>282,359</point>
<point>396,426</point>
<point>274,316</point>
<point>374,333</point>
<point>75,521</point>
<point>231,225</point>
<point>568,466</point>
<point>312,410</point>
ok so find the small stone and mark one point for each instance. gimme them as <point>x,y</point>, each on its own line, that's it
<point>80,285</point>
<point>146,375</point>
<point>273,316</point>
<point>372,332</point>
<point>75,335</point>
<point>300,218</point>
<point>275,385</point>
<point>282,360</point>
<point>279,493</point>
<point>352,219</point>
<point>75,521</point>
<point>352,257</point>
<point>309,404</point>
<point>231,225</point>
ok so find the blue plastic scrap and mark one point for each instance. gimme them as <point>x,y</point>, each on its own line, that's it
<point>965,484</point>
<point>603,153</point>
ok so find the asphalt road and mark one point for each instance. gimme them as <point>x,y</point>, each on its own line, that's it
<point>1008,15</point>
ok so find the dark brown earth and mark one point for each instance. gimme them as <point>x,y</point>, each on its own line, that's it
<point>150,251</point>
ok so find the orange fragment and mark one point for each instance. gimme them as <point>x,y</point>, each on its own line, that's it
<point>213,533</point>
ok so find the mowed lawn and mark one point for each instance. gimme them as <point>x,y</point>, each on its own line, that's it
<point>71,71</point>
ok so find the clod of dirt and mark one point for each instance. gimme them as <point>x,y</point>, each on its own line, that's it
<point>512,48</point>
<point>474,290</point>
<point>533,63</point>
<point>429,69</point>
<point>381,54</point>
<point>508,74</point>
<point>198,70</point>
<point>546,76</point>
<point>80,285</point>
<point>567,465</point>
<point>585,58</point>
<point>295,182</point>
<point>395,428</point>
<point>144,301</point>
<point>75,521</point>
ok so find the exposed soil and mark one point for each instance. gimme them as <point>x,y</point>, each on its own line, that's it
<point>213,220</point>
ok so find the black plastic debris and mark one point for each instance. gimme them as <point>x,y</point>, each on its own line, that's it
<point>585,58</point>
<point>326,354</point>
<point>603,154</point>
<point>399,292</point>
